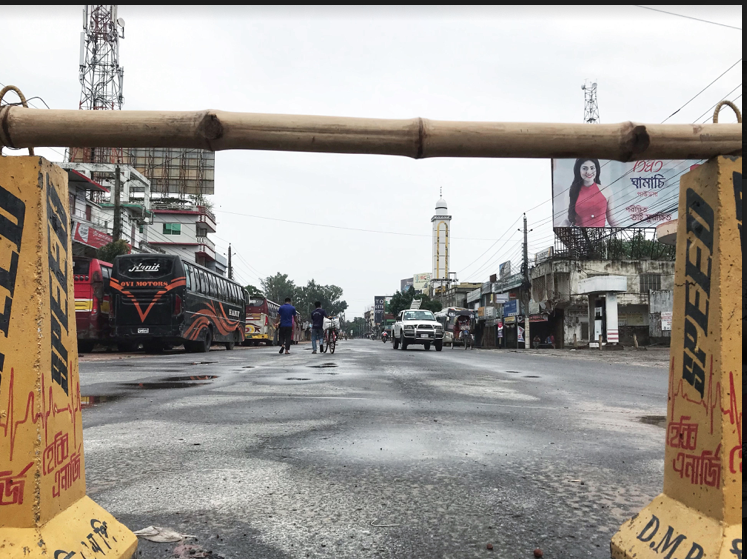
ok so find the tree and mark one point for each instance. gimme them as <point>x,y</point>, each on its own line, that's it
<point>254,291</point>
<point>110,251</point>
<point>278,287</point>
<point>401,301</point>
<point>327,295</point>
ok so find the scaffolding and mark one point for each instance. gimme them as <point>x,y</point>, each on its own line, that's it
<point>174,171</point>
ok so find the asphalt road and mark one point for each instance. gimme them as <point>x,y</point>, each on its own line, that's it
<point>372,452</point>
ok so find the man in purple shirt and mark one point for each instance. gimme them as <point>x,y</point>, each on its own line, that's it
<point>286,313</point>
<point>317,327</point>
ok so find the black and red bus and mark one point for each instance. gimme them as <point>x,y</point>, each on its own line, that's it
<point>162,301</point>
<point>91,278</point>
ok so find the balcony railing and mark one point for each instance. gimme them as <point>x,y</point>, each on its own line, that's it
<point>205,250</point>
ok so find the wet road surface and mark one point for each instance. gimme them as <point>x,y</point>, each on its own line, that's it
<point>372,452</point>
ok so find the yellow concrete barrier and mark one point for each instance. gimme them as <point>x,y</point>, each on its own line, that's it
<point>699,514</point>
<point>44,510</point>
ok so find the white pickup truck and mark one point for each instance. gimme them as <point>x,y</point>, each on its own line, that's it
<point>417,327</point>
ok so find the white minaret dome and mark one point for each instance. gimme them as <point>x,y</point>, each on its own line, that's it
<point>441,207</point>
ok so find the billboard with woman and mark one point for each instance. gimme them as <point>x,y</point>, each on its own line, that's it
<point>589,192</point>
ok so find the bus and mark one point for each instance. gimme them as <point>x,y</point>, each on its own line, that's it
<point>91,282</point>
<point>162,301</point>
<point>261,315</point>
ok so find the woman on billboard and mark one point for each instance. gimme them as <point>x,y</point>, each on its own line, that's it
<point>591,204</point>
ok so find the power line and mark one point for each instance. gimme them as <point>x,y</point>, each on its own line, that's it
<point>701,91</point>
<point>345,228</point>
<point>689,17</point>
<point>491,246</point>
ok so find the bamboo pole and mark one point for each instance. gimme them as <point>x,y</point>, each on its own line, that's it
<point>416,138</point>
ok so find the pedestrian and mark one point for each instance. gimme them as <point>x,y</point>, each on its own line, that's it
<point>536,342</point>
<point>286,313</point>
<point>317,327</point>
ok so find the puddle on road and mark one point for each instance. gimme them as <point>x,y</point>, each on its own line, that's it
<point>513,372</point>
<point>203,362</point>
<point>190,377</point>
<point>159,385</point>
<point>90,401</point>
<point>531,376</point>
<point>658,420</point>
<point>248,367</point>
<point>297,378</point>
<point>323,366</point>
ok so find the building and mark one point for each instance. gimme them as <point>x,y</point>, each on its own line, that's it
<point>91,190</point>
<point>441,225</point>
<point>581,300</point>
<point>183,229</point>
<point>455,295</point>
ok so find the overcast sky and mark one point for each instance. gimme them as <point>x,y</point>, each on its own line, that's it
<point>474,63</point>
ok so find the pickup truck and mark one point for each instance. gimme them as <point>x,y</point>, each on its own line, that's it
<point>417,327</point>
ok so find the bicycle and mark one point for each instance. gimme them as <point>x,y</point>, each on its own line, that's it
<point>330,337</point>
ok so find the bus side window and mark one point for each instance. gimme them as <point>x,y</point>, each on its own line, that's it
<point>187,277</point>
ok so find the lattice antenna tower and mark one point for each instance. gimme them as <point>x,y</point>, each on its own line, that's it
<point>591,107</point>
<point>100,74</point>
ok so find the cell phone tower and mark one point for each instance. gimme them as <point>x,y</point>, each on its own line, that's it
<point>591,107</point>
<point>100,73</point>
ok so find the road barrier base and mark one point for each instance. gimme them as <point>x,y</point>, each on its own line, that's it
<point>84,529</point>
<point>667,528</point>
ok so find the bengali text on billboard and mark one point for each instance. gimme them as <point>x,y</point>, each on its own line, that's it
<point>605,193</point>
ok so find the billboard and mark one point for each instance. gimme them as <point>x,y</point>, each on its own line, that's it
<point>379,309</point>
<point>606,193</point>
<point>420,281</point>
<point>504,270</point>
<point>175,170</point>
<point>405,284</point>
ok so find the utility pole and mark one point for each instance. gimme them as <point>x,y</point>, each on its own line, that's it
<point>117,227</point>
<point>526,285</point>
<point>230,267</point>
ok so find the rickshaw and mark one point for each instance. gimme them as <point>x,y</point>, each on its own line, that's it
<point>449,318</point>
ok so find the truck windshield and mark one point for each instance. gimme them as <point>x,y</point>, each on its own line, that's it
<point>418,315</point>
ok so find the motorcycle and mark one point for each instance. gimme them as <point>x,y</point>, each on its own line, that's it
<point>384,337</point>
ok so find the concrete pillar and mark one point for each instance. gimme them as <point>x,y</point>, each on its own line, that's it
<point>592,302</point>
<point>44,510</point>
<point>699,513</point>
<point>611,311</point>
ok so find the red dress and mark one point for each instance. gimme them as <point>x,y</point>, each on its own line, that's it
<point>591,207</point>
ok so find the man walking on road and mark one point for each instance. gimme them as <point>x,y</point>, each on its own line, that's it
<point>317,327</point>
<point>286,313</point>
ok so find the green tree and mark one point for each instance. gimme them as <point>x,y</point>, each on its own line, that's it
<point>110,251</point>
<point>328,295</point>
<point>401,301</point>
<point>254,291</point>
<point>278,287</point>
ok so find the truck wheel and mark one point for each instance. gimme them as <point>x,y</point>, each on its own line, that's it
<point>395,343</point>
<point>440,345</point>
<point>403,341</point>
<point>427,346</point>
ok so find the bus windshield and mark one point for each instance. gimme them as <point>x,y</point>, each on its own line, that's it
<point>144,267</point>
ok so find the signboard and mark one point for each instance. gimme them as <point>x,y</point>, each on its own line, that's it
<point>543,255</point>
<point>509,319</point>
<point>379,309</point>
<point>405,284</point>
<point>538,318</point>
<point>420,282</point>
<point>521,333</point>
<point>491,312</point>
<point>84,233</point>
<point>642,193</point>
<point>511,308</point>
<point>504,270</point>
<point>666,320</point>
